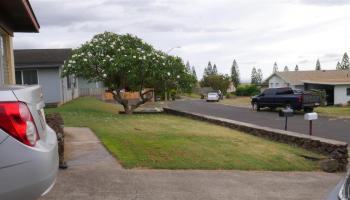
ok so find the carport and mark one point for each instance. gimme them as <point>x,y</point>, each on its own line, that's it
<point>338,90</point>
<point>319,86</point>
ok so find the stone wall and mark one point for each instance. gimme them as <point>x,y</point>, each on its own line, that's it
<point>336,151</point>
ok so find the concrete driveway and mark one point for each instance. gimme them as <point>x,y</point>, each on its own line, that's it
<point>331,128</point>
<point>94,174</point>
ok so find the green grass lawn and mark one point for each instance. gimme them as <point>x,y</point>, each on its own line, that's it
<point>163,141</point>
<point>334,111</point>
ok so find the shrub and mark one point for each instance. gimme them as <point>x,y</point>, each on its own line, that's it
<point>216,82</point>
<point>228,95</point>
<point>322,94</point>
<point>173,93</point>
<point>55,121</point>
<point>247,90</point>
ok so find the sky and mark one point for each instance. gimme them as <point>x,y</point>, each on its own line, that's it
<point>254,32</point>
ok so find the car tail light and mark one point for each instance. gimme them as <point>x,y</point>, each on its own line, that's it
<point>16,120</point>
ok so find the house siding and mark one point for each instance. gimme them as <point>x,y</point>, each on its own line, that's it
<point>340,94</point>
<point>68,94</point>
<point>87,88</point>
<point>50,82</point>
<point>84,84</point>
<point>55,88</point>
<point>277,82</point>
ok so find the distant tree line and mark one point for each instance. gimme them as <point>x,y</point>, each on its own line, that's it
<point>343,65</point>
<point>212,78</point>
<point>256,77</point>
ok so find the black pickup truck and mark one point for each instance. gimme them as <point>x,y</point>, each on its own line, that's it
<point>283,97</point>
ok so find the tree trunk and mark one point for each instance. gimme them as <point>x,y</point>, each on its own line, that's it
<point>129,109</point>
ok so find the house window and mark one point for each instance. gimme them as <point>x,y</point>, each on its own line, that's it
<point>348,91</point>
<point>271,85</point>
<point>27,77</point>
<point>19,78</point>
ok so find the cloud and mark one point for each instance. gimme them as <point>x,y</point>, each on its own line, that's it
<point>64,13</point>
<point>326,2</point>
<point>254,32</point>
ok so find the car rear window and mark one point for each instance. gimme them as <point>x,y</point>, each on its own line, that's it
<point>284,91</point>
<point>269,92</point>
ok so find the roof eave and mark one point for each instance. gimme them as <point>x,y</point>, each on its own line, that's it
<point>326,83</point>
<point>32,16</point>
<point>18,16</point>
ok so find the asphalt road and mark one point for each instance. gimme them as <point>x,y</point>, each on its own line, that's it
<point>331,128</point>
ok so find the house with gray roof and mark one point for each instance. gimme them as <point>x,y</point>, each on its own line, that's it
<point>44,67</point>
<point>336,83</point>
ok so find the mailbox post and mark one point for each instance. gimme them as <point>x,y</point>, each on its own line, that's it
<point>310,117</point>
<point>287,112</point>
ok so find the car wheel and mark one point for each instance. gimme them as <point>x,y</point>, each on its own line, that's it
<point>256,106</point>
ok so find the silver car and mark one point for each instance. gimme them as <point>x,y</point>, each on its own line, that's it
<point>213,96</point>
<point>28,147</point>
<point>342,190</point>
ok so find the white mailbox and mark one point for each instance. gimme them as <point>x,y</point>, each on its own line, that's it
<point>311,116</point>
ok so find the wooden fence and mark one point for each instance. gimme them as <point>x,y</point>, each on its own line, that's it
<point>101,93</point>
<point>92,91</point>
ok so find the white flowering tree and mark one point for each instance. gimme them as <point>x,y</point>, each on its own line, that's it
<point>125,62</point>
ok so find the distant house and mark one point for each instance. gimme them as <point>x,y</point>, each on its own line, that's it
<point>15,16</point>
<point>44,67</point>
<point>87,88</point>
<point>336,83</point>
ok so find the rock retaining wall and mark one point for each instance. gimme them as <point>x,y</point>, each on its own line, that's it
<point>336,151</point>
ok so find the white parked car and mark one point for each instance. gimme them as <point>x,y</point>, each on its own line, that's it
<point>28,146</point>
<point>213,96</point>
